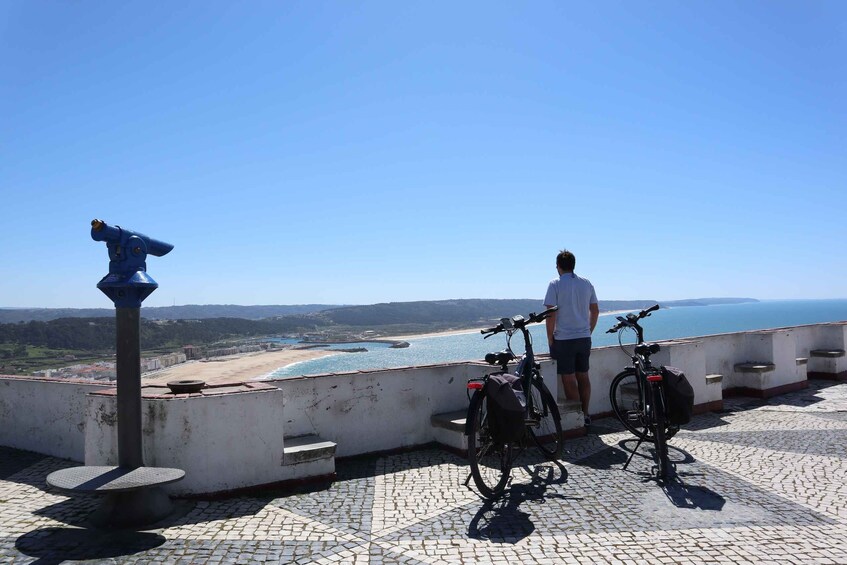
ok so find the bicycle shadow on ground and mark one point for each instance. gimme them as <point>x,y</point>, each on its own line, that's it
<point>51,546</point>
<point>641,460</point>
<point>676,455</point>
<point>502,520</point>
<point>692,497</point>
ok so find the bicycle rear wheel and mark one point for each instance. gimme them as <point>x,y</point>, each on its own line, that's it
<point>544,423</point>
<point>627,404</point>
<point>664,465</point>
<point>491,462</point>
<point>629,409</point>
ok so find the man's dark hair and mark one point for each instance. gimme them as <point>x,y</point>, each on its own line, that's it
<point>565,260</point>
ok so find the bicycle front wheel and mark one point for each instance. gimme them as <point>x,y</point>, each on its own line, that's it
<point>660,439</point>
<point>491,462</point>
<point>544,423</point>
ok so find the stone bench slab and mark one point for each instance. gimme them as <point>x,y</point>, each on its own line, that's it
<point>110,479</point>
<point>750,367</point>
<point>302,449</point>
<point>452,421</point>
<point>831,353</point>
<point>714,379</point>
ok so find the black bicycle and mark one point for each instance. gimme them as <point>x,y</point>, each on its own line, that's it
<point>491,459</point>
<point>638,395</point>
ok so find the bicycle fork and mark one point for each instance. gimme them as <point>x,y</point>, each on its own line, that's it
<point>649,408</point>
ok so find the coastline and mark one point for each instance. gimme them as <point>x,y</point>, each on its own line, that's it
<point>259,365</point>
<point>430,334</point>
<point>236,368</point>
<point>473,330</point>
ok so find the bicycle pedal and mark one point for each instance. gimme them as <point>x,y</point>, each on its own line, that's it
<point>530,422</point>
<point>633,417</point>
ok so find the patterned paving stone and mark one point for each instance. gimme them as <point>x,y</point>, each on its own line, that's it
<point>760,482</point>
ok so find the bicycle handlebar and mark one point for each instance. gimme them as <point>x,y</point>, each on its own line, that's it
<point>520,323</point>
<point>631,319</point>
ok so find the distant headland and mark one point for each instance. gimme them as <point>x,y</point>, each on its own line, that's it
<point>392,311</point>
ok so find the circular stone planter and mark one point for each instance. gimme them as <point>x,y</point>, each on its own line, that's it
<point>185,387</point>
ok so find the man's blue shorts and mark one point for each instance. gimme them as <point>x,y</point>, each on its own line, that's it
<point>571,355</point>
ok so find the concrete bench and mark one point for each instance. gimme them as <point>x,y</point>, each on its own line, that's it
<point>827,363</point>
<point>767,366</point>
<point>714,379</point>
<point>714,392</point>
<point>829,353</point>
<point>752,367</point>
<point>448,429</point>
<point>751,379</point>
<point>308,456</point>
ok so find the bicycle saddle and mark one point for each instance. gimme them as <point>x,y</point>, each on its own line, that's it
<point>499,358</point>
<point>647,349</point>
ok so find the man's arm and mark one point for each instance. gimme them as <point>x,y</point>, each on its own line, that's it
<point>593,315</point>
<point>551,325</point>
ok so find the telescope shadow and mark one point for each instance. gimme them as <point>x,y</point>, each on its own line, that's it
<point>78,510</point>
<point>54,545</point>
<point>13,461</point>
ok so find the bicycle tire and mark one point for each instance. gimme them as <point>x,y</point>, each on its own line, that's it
<point>660,440</point>
<point>626,404</point>
<point>545,428</point>
<point>491,462</point>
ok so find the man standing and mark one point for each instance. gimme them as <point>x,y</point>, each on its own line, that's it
<point>569,329</point>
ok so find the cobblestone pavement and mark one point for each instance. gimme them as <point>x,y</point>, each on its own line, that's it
<point>759,482</point>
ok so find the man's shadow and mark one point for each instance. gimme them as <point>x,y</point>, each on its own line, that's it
<point>501,520</point>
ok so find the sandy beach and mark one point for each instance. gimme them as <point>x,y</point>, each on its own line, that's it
<point>252,366</point>
<point>235,368</point>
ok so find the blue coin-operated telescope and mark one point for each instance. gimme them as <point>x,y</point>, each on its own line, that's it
<point>133,491</point>
<point>127,283</point>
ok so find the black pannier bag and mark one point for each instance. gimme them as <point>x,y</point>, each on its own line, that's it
<point>506,407</point>
<point>679,396</point>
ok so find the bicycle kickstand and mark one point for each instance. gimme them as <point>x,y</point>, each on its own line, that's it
<point>637,445</point>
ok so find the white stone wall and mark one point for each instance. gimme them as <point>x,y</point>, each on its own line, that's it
<point>374,411</point>
<point>605,363</point>
<point>223,442</point>
<point>44,415</point>
<point>236,440</point>
<point>381,410</point>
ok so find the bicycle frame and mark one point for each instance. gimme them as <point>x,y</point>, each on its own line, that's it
<point>643,367</point>
<point>527,369</point>
<point>541,422</point>
<point>650,386</point>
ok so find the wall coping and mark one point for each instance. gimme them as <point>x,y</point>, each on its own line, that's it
<point>162,392</point>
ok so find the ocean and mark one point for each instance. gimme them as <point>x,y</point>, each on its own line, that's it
<point>669,323</point>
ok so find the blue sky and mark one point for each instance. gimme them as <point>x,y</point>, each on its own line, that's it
<point>356,153</point>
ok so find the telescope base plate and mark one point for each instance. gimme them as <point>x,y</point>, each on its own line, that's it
<point>133,497</point>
